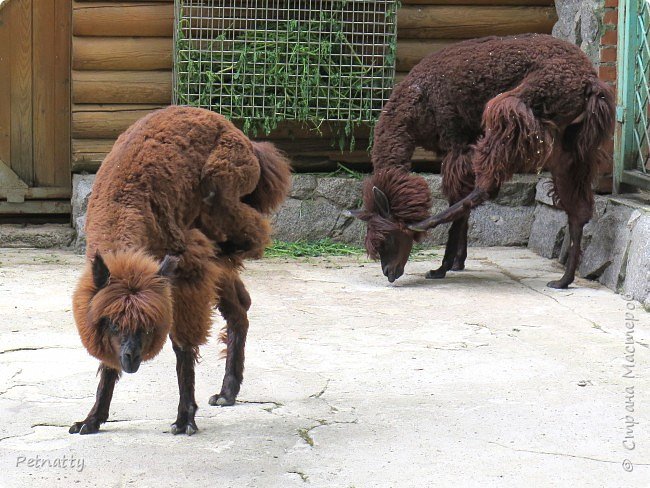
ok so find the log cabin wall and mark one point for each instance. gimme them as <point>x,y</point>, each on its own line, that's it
<point>122,61</point>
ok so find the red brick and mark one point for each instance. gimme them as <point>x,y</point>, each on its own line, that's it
<point>611,17</point>
<point>607,73</point>
<point>609,38</point>
<point>608,55</point>
<point>611,3</point>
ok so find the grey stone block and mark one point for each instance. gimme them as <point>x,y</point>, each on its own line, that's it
<point>500,225</point>
<point>605,255</point>
<point>306,219</point>
<point>435,185</point>
<point>46,236</point>
<point>519,191</point>
<point>343,192</point>
<point>303,186</point>
<point>580,22</point>
<point>437,236</point>
<point>81,189</point>
<point>637,269</point>
<point>548,231</point>
<point>588,230</point>
<point>542,189</point>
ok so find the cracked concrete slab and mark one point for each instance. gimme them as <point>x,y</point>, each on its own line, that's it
<point>486,378</point>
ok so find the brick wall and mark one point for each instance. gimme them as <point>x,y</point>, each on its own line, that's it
<point>607,72</point>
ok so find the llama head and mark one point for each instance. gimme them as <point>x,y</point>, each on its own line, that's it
<point>393,198</point>
<point>123,307</point>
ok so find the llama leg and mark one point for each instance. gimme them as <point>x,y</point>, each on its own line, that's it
<point>99,413</point>
<point>575,233</point>
<point>451,252</point>
<point>234,303</point>
<point>572,183</point>
<point>185,361</point>
<point>461,255</point>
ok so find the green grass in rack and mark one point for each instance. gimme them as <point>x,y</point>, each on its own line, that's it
<point>293,72</point>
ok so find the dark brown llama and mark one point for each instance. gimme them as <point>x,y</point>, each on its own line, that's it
<point>177,205</point>
<point>491,107</point>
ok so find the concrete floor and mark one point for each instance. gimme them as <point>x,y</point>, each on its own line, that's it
<point>484,379</point>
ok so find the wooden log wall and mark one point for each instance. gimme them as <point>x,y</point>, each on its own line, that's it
<point>122,60</point>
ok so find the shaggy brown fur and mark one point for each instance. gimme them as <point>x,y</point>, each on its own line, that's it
<point>493,107</point>
<point>185,185</point>
<point>410,200</point>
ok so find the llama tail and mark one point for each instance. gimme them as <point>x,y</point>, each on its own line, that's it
<point>586,139</point>
<point>275,178</point>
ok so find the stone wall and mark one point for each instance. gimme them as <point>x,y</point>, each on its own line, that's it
<point>580,22</point>
<point>615,242</point>
<point>316,209</point>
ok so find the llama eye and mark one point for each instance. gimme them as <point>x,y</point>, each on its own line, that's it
<point>113,328</point>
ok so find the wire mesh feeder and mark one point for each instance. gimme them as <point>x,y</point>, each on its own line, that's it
<point>264,61</point>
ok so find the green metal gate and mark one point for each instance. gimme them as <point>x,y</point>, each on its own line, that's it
<point>632,156</point>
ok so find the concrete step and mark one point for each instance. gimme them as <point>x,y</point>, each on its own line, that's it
<point>44,236</point>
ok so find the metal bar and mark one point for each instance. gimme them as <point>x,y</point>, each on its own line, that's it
<point>624,137</point>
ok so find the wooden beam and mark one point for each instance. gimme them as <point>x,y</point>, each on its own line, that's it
<point>62,95</point>
<point>411,52</point>
<point>5,83</point>
<point>122,53</point>
<point>40,193</point>
<point>106,121</point>
<point>21,89</point>
<point>36,207</point>
<point>462,22</point>
<point>150,87</point>
<point>142,19</point>
<point>44,118</point>
<point>88,154</point>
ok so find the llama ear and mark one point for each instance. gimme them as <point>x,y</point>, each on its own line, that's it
<point>168,266</point>
<point>101,274</point>
<point>357,213</point>
<point>381,201</point>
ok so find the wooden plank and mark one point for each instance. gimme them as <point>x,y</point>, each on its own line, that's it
<point>5,82</point>
<point>106,121</point>
<point>122,53</point>
<point>411,52</point>
<point>150,87</point>
<point>143,19</point>
<point>42,193</point>
<point>461,22</point>
<point>88,154</point>
<point>21,90</point>
<point>62,40</point>
<point>44,119</point>
<point>36,207</point>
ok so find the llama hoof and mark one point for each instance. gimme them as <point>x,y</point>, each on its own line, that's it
<point>435,274</point>
<point>83,428</point>
<point>458,267</point>
<point>221,401</point>
<point>557,284</point>
<point>190,428</point>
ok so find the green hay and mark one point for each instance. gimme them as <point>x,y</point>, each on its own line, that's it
<point>301,71</point>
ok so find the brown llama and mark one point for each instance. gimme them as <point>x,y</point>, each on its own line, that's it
<point>177,205</point>
<point>491,107</point>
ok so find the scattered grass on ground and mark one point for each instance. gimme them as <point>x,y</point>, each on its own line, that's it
<point>311,249</point>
